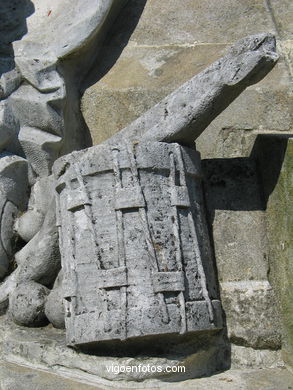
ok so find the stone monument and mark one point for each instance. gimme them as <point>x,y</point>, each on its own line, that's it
<point>135,249</point>
<point>127,216</point>
<point>135,253</point>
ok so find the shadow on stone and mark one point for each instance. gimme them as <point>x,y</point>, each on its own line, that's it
<point>117,38</point>
<point>268,153</point>
<point>244,184</point>
<point>13,15</point>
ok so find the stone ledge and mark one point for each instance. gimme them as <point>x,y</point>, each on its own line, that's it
<point>44,348</point>
<point>15,377</point>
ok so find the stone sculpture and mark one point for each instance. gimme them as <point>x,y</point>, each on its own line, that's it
<point>39,104</point>
<point>135,252</point>
<point>148,164</point>
<point>134,247</point>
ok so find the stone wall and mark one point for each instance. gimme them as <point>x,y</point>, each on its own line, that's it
<point>280,229</point>
<point>154,47</point>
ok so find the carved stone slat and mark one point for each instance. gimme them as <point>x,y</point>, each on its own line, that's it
<point>194,235</point>
<point>176,230</point>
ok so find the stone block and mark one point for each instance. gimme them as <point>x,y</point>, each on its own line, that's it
<point>240,245</point>
<point>198,21</point>
<point>159,64</point>
<point>259,109</point>
<point>236,215</point>
<point>106,112</point>
<point>251,314</point>
<point>287,50</point>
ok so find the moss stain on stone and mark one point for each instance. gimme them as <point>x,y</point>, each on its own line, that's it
<point>280,231</point>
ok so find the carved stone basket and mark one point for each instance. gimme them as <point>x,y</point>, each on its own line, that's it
<point>134,243</point>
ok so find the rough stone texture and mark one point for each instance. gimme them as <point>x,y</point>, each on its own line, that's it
<point>7,128</point>
<point>54,308</point>
<point>14,183</point>
<point>247,357</point>
<point>27,304</point>
<point>236,211</point>
<point>134,244</point>
<point>282,11</point>
<point>251,314</point>
<point>9,212</point>
<point>238,246</point>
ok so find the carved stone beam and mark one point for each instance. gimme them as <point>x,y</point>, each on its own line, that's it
<point>184,114</point>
